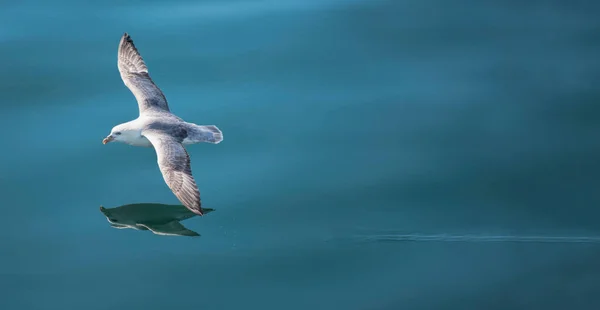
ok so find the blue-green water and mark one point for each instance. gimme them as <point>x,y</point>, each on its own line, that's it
<point>346,123</point>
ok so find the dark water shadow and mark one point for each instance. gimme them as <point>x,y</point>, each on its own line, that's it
<point>161,219</point>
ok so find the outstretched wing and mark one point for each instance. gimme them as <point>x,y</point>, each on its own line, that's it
<point>174,163</point>
<point>134,73</point>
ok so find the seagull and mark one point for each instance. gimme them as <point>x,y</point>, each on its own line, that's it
<point>157,127</point>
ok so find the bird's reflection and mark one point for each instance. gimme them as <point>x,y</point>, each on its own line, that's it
<point>161,219</point>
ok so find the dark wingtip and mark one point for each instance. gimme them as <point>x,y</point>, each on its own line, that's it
<point>127,44</point>
<point>126,38</point>
<point>203,211</point>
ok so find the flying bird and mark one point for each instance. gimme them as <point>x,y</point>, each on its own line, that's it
<point>157,127</point>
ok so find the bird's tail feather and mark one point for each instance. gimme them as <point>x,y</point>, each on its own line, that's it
<point>212,134</point>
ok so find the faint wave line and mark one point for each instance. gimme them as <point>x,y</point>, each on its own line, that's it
<point>477,238</point>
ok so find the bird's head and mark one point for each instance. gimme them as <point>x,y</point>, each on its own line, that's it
<point>116,218</point>
<point>116,134</point>
<point>109,216</point>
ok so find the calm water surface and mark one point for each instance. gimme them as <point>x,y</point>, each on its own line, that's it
<point>345,123</point>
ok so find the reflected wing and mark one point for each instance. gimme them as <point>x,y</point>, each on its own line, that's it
<point>170,229</point>
<point>119,226</point>
<point>174,163</point>
<point>134,73</point>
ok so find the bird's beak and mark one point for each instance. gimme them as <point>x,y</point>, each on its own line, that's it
<point>108,139</point>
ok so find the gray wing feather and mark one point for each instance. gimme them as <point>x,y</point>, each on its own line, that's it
<point>174,163</point>
<point>134,73</point>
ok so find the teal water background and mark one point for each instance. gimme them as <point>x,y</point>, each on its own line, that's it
<point>345,123</point>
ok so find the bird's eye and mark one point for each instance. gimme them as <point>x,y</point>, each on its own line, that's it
<point>117,133</point>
